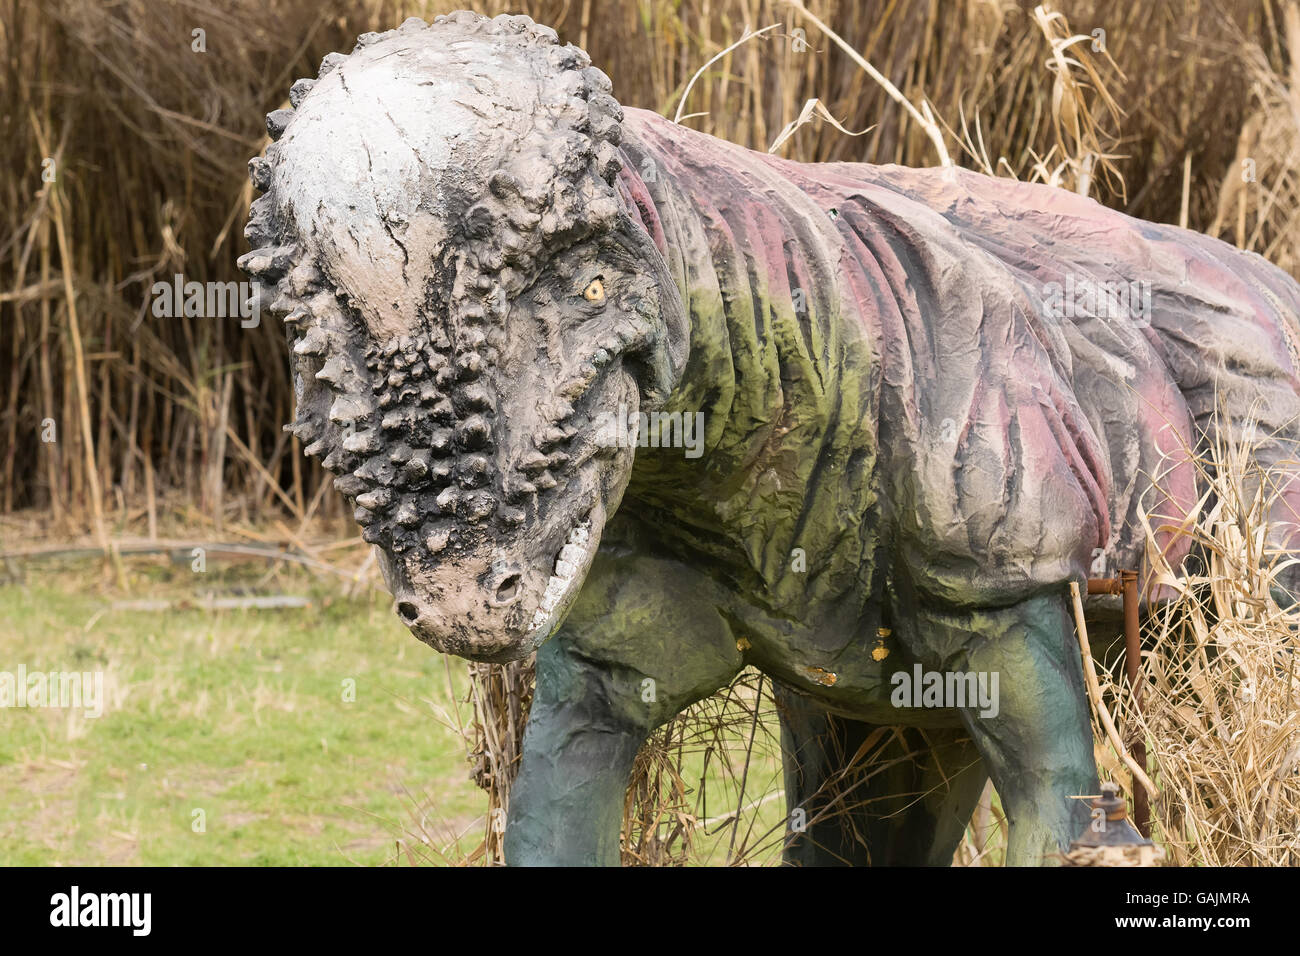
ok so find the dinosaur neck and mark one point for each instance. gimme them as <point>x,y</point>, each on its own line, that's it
<point>787,455</point>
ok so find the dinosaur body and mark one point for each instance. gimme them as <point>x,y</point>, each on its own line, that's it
<point>917,426</point>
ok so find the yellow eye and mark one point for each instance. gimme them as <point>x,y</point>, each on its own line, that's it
<point>595,291</point>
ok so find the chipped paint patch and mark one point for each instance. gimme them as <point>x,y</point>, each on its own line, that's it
<point>819,675</point>
<point>742,644</point>
<point>880,651</point>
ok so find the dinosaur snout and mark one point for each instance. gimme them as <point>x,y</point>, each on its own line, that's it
<point>502,603</point>
<point>410,613</point>
<point>422,617</point>
<point>485,640</point>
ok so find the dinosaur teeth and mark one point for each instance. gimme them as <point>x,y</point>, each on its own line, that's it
<point>568,564</point>
<point>555,589</point>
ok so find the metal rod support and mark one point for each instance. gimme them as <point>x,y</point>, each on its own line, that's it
<point>1126,584</point>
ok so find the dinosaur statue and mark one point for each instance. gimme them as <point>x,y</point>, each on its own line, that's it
<point>657,407</point>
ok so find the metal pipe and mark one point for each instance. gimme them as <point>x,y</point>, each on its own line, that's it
<point>1105,586</point>
<point>1126,584</point>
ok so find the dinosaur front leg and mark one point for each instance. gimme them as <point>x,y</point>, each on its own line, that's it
<point>644,641</point>
<point>1035,736</point>
<point>567,803</point>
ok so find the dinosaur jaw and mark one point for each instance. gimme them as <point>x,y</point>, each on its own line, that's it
<point>572,563</point>
<point>503,599</point>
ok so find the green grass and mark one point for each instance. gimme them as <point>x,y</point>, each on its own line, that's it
<point>242,715</point>
<point>239,714</point>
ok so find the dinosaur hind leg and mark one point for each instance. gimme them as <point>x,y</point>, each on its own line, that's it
<point>1036,739</point>
<point>908,807</point>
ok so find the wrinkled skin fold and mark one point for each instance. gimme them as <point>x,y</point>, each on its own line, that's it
<point>883,423</point>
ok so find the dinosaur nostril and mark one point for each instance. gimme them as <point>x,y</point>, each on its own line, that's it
<point>408,612</point>
<point>508,590</point>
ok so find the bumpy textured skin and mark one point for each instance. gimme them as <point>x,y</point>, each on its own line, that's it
<point>906,456</point>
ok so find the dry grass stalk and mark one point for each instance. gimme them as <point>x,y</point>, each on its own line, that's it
<point>1137,855</point>
<point>1221,691</point>
<point>500,695</point>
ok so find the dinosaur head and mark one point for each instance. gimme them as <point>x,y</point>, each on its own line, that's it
<point>465,295</point>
